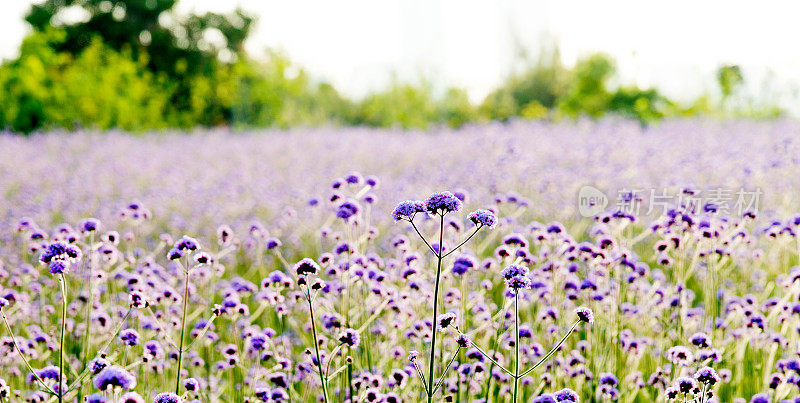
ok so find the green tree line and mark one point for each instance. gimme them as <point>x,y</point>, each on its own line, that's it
<point>136,65</point>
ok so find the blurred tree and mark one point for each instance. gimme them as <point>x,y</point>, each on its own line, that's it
<point>180,46</point>
<point>529,93</point>
<point>588,93</point>
<point>729,78</point>
<point>643,105</point>
<point>455,108</point>
<point>186,49</point>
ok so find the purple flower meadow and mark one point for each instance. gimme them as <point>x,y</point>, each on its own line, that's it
<point>294,287</point>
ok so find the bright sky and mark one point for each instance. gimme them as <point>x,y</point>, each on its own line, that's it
<point>359,45</point>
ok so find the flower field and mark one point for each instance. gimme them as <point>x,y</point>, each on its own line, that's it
<point>363,265</point>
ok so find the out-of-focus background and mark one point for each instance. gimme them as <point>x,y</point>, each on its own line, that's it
<point>141,65</point>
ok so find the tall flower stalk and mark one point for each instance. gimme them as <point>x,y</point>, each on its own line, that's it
<point>59,257</point>
<point>183,249</point>
<point>439,205</point>
<point>61,390</point>
<point>304,269</point>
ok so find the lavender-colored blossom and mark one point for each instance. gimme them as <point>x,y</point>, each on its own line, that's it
<point>167,397</point>
<point>483,217</point>
<point>306,266</point>
<point>442,203</point>
<point>407,209</point>
<point>349,337</point>
<point>585,314</point>
<point>114,377</point>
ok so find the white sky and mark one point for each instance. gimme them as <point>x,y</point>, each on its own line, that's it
<point>359,45</point>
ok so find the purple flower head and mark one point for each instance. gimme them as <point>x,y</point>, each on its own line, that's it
<point>462,340</point>
<point>129,336</point>
<point>407,209</point>
<point>483,217</point>
<point>306,266</point>
<point>272,243</point>
<point>609,379</point>
<point>96,398</point>
<point>700,340</point>
<point>349,337</point>
<point>89,225</point>
<point>187,243</point>
<point>203,258</point>
<point>98,364</point>
<point>58,256</point>
<point>513,270</point>
<point>585,314</point>
<point>462,264</point>
<point>684,384</point>
<point>442,203</point>
<point>680,355</point>
<point>516,277</point>
<point>131,397</point>
<point>174,254</point>
<point>413,355</point>
<point>760,398</point>
<point>113,377</point>
<point>706,375</point>
<point>446,319</point>
<point>191,384</point>
<point>58,267</point>
<point>48,372</point>
<point>354,178</point>
<point>347,209</point>
<point>566,396</point>
<point>545,398</point>
<point>138,300</point>
<point>167,397</point>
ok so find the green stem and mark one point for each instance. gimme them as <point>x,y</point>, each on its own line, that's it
<point>183,330</point>
<point>89,302</point>
<point>478,228</point>
<point>441,380</point>
<point>350,379</point>
<point>61,348</point>
<point>25,360</point>
<point>316,348</point>
<point>423,238</point>
<point>432,360</point>
<point>552,351</point>
<point>516,344</point>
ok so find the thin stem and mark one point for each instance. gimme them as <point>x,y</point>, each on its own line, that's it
<point>441,379</point>
<point>25,360</point>
<point>423,238</point>
<point>163,329</point>
<point>421,377</point>
<point>102,349</point>
<point>432,361</point>
<point>330,359</point>
<point>350,378</point>
<point>492,360</point>
<point>61,348</point>
<point>89,303</point>
<point>478,228</point>
<point>183,330</point>
<point>552,351</point>
<point>516,344</point>
<point>202,333</point>
<point>316,348</point>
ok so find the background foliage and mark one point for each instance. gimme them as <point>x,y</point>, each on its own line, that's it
<point>136,65</point>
